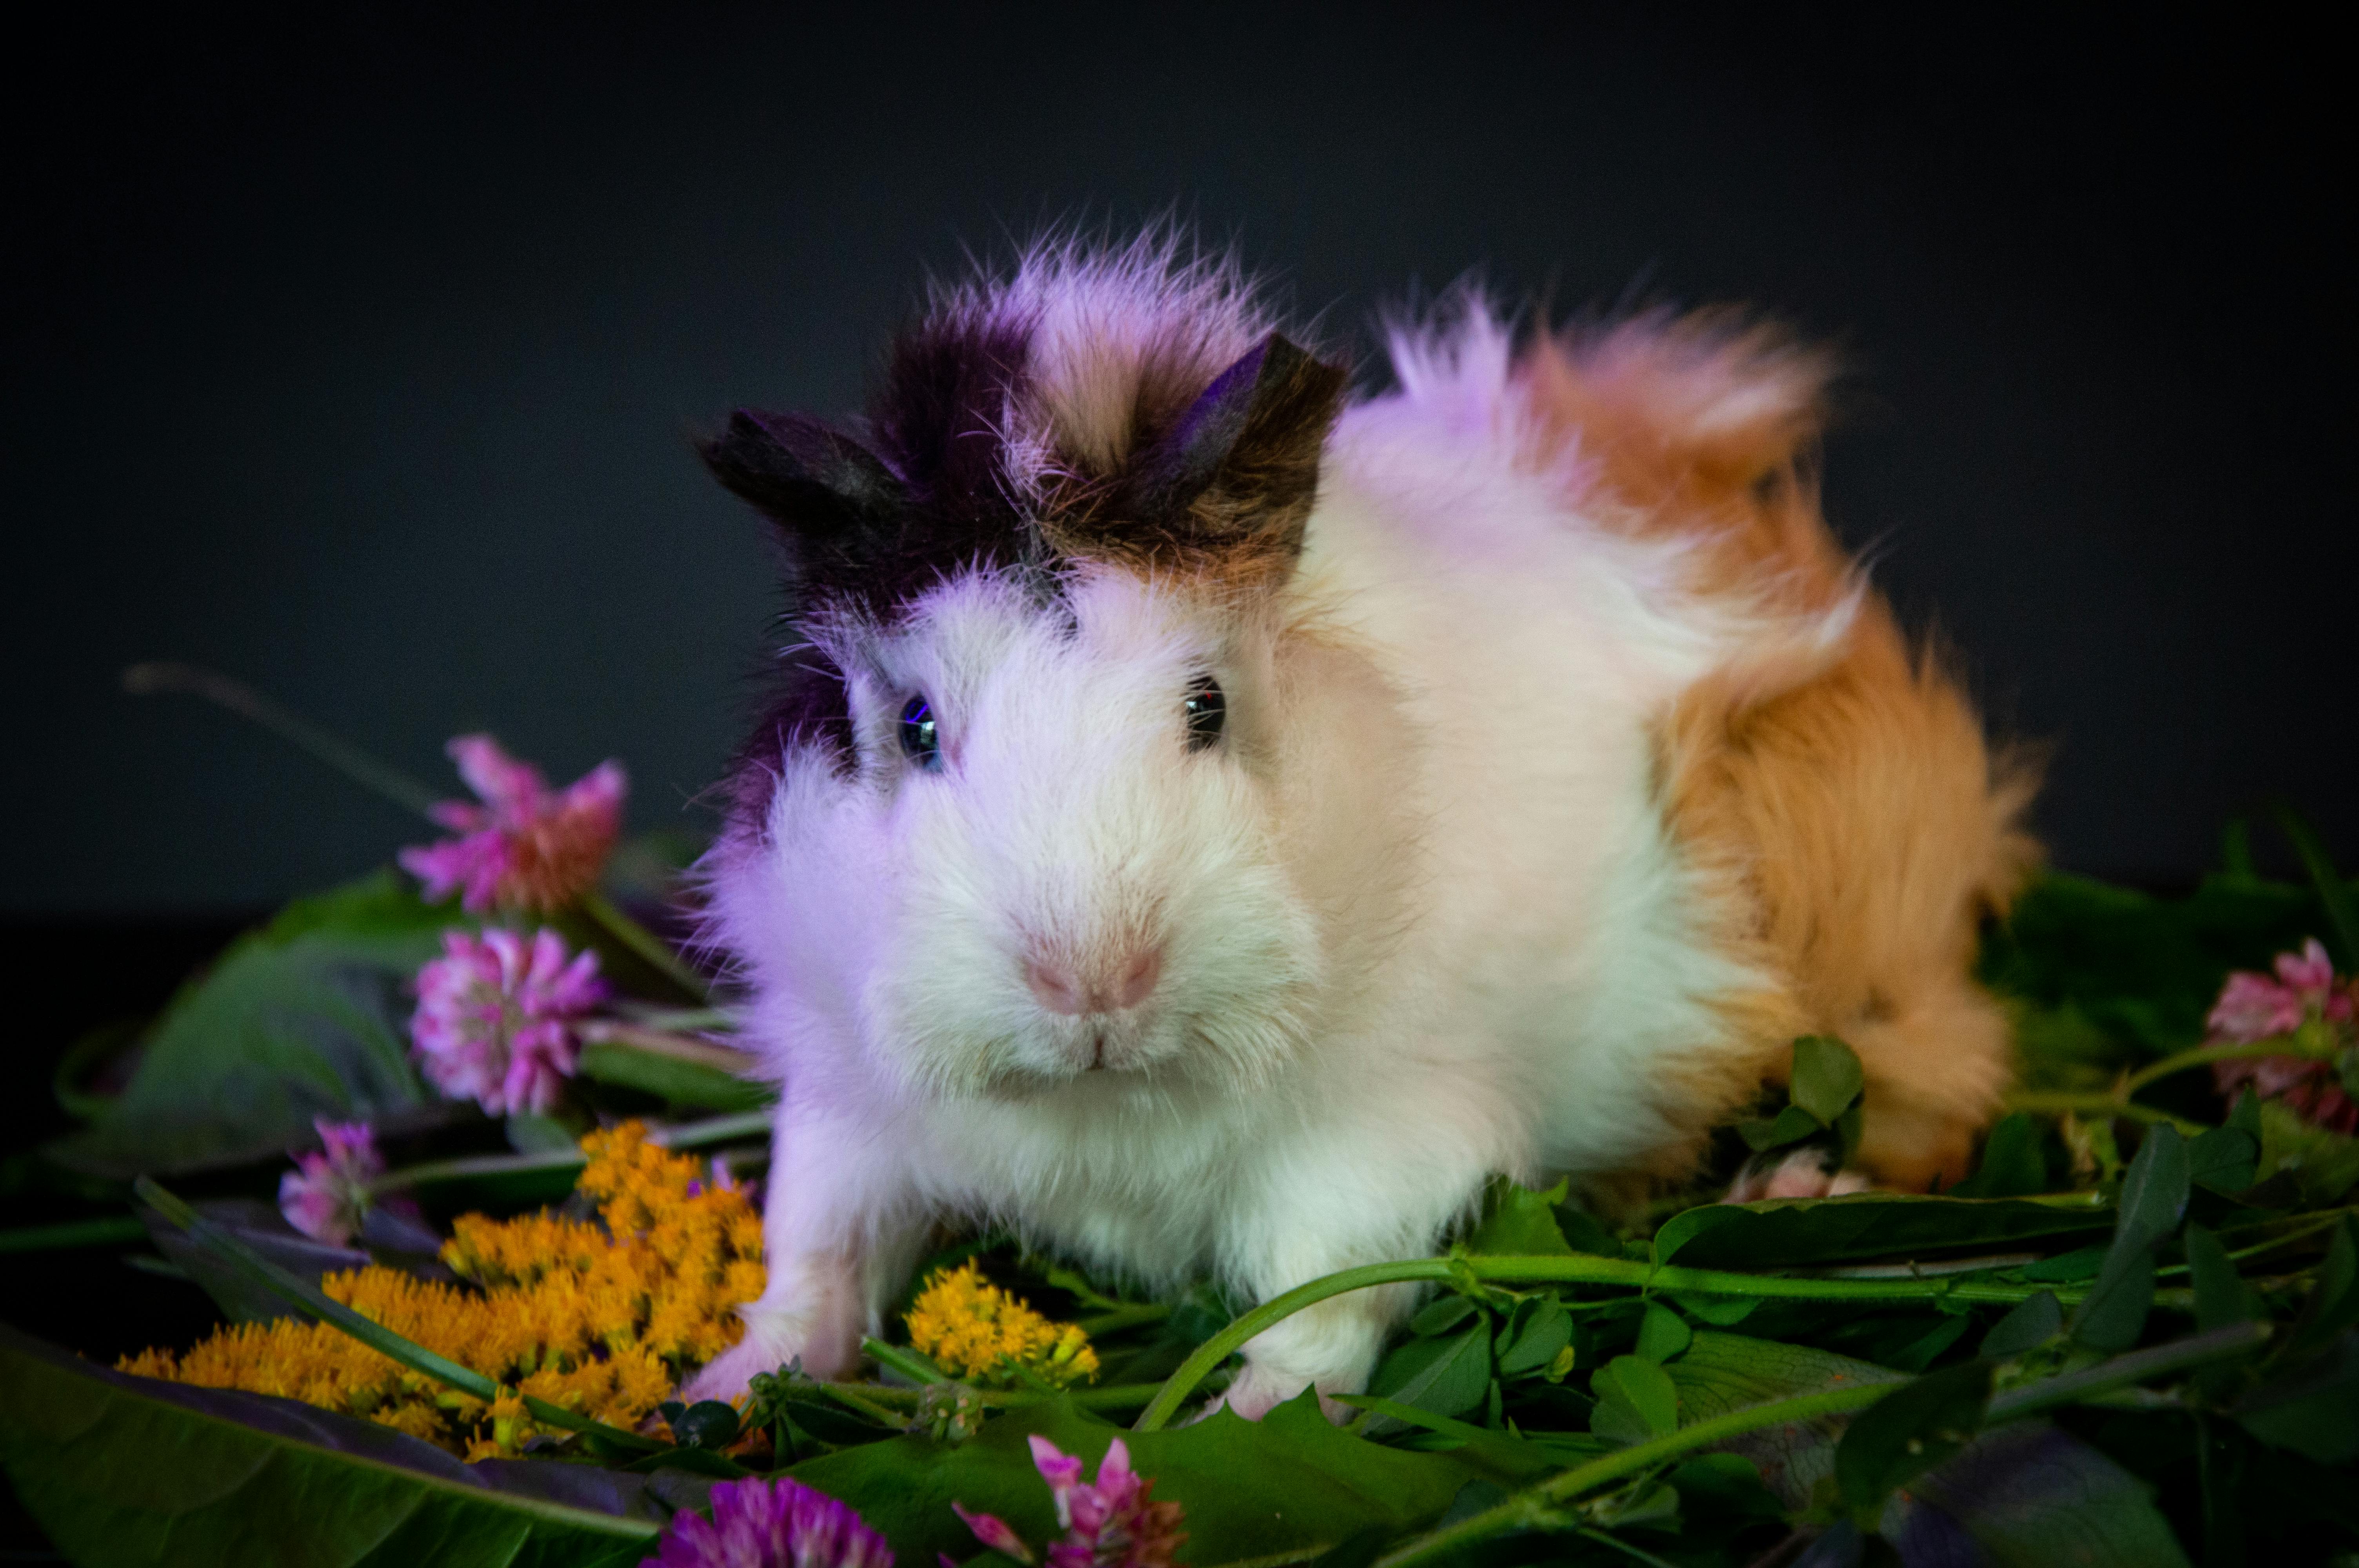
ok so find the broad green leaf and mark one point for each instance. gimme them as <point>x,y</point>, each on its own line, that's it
<point>2033,1497</point>
<point>1288,1482</point>
<point>1442,1314</point>
<point>686,1084</point>
<point>2222,1297</point>
<point>2224,1159</point>
<point>1446,1376</point>
<point>1725,1372</point>
<point>261,1228</point>
<point>306,1017</point>
<point>2012,1164</point>
<point>1635,1400</point>
<point>1520,1223</point>
<point>2067,1268</point>
<point>2324,1164</point>
<point>1784,1232</point>
<point>2154,1192</point>
<point>2113,1314</point>
<point>1791,1125</point>
<point>126,1471</point>
<point>2335,1301</point>
<point>1827,1077</point>
<point>1540,1329</point>
<point>1662,1333</point>
<point>2030,1324</point>
<point>2310,1406</point>
<point>1908,1431</point>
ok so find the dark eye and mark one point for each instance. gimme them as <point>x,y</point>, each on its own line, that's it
<point>1206,711</point>
<point>920,739</point>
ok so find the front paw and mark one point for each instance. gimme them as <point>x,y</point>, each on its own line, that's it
<point>772,1340</point>
<point>1260,1389</point>
<point>1805,1173</point>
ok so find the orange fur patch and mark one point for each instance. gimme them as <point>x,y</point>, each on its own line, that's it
<point>1853,824</point>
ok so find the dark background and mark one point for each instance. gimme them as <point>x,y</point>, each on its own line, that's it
<point>356,355</point>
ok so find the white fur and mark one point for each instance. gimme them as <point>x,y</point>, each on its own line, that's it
<point>1421,919</point>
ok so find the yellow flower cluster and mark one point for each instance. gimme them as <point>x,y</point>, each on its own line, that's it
<point>599,1318</point>
<point>974,1329</point>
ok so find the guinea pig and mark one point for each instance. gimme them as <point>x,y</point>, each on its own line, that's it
<point>1213,824</point>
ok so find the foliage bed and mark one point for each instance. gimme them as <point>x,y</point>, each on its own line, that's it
<point>2127,1339</point>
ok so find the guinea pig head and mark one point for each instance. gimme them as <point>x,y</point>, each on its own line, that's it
<point>1014,828</point>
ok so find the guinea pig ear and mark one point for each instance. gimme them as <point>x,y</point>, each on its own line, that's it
<point>1237,474</point>
<point>822,488</point>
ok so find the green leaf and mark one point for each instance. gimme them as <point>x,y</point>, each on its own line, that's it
<point>1448,1376</point>
<point>2033,1497</point>
<point>2334,1302</point>
<point>1519,1223</point>
<point>1908,1431</point>
<point>1288,1482</point>
<point>1928,1347</point>
<point>2154,1192</point>
<point>686,1084</point>
<point>2322,1164</point>
<point>123,1470</point>
<point>1788,1232</point>
<point>1662,1333</point>
<point>2224,1159</point>
<point>1721,1373</point>
<point>2222,1297</point>
<point>2067,1268</point>
<point>1440,1315</point>
<point>1541,1329</point>
<point>2012,1166</point>
<point>1635,1400</point>
<point>2311,1405</point>
<point>261,1228</point>
<point>1791,1125</point>
<point>2027,1326</point>
<point>306,1017</point>
<point>1827,1077</point>
<point>2113,1314</point>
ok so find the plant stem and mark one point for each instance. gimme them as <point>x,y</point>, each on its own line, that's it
<point>1628,1272</point>
<point>908,1363</point>
<point>2197,1056</point>
<point>2053,1101</point>
<point>1126,1316</point>
<point>383,778</point>
<point>1537,1506</point>
<point>644,942</point>
<point>2121,1371</point>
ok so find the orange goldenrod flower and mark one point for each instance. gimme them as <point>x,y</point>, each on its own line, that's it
<point>977,1331</point>
<point>601,1319</point>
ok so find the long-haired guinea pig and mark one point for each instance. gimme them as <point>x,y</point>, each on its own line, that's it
<point>1211,825</point>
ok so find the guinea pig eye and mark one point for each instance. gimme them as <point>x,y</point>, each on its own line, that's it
<point>919,738</point>
<point>1206,711</point>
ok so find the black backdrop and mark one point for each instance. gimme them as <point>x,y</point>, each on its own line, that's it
<point>356,355</point>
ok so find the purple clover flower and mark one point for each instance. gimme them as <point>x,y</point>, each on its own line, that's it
<point>1112,1522</point>
<point>495,1017</point>
<point>328,1195</point>
<point>2253,1009</point>
<point>771,1524</point>
<point>527,846</point>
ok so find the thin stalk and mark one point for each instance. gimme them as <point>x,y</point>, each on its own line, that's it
<point>261,1271</point>
<point>2122,1371</point>
<point>644,942</point>
<point>908,1363</point>
<point>383,778</point>
<point>2053,1101</point>
<point>1538,1507</point>
<point>2197,1056</point>
<point>1129,1315</point>
<point>700,1135</point>
<point>1628,1272</point>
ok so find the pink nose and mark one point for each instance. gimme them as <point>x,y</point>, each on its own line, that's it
<point>1061,988</point>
